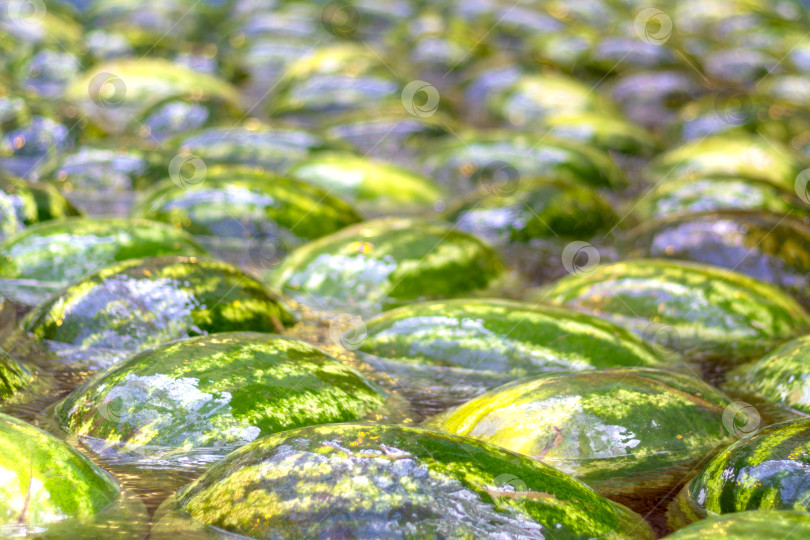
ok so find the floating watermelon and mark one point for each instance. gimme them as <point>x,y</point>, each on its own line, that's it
<point>360,480</point>
<point>218,391</point>
<point>767,470</point>
<point>138,304</point>
<point>626,432</point>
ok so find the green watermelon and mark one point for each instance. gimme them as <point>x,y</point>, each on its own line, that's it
<point>340,78</point>
<point>781,377</point>
<point>24,203</point>
<point>626,432</point>
<point>102,169</point>
<point>606,131</point>
<point>242,202</point>
<point>504,337</point>
<point>533,98</point>
<point>384,263</point>
<point>46,481</point>
<point>506,213</point>
<point>769,247</point>
<point>725,155</point>
<point>26,146</point>
<point>376,186</point>
<point>137,304</point>
<point>507,158</point>
<point>119,95</point>
<point>48,256</point>
<point>767,470</point>
<point>688,195</point>
<point>783,524</point>
<point>222,390</point>
<point>274,149</point>
<point>391,134</point>
<point>705,312</point>
<point>158,27</point>
<point>361,481</point>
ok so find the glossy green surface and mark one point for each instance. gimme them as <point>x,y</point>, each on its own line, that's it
<point>604,131</point>
<point>764,471</point>
<point>64,250</point>
<point>385,262</point>
<point>372,481</point>
<point>275,149</point>
<point>389,133</point>
<point>220,390</point>
<point>688,195</point>
<point>374,184</point>
<point>151,26</point>
<point>533,98</point>
<point>13,376</point>
<point>769,247</point>
<point>783,524</point>
<point>741,156</point>
<point>539,209</point>
<point>44,480</point>
<point>241,202</point>
<point>101,169</point>
<point>504,337</point>
<point>476,160</point>
<point>707,312</point>
<point>781,377</point>
<point>136,85</point>
<point>136,304</point>
<point>619,430</point>
<point>334,79</point>
<point>24,203</point>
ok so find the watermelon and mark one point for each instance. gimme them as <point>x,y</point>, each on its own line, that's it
<point>46,481</point>
<point>784,524</point>
<point>241,202</point>
<point>373,185</point>
<point>533,98</point>
<point>766,470</point>
<point>218,391</point>
<point>508,158</point>
<point>361,481</point>
<point>709,314</point>
<point>101,180</point>
<point>781,377</point>
<point>340,78</point>
<point>274,149</point>
<point>125,94</point>
<point>769,247</point>
<point>24,147</point>
<point>24,203</point>
<point>150,26</point>
<point>48,256</point>
<point>652,98</point>
<point>510,213</point>
<point>384,263</point>
<point>504,337</point>
<point>626,432</point>
<point>137,304</point>
<point>391,134</point>
<point>606,131</point>
<point>93,168</point>
<point>687,195</point>
<point>724,155</point>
